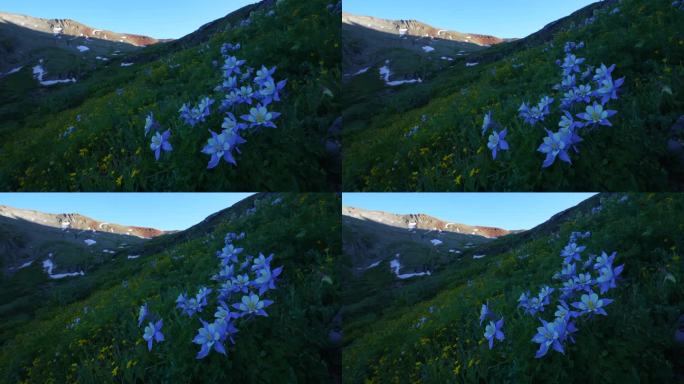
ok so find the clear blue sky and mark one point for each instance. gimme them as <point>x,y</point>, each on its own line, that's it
<point>155,18</point>
<point>167,211</point>
<point>501,18</point>
<point>503,210</point>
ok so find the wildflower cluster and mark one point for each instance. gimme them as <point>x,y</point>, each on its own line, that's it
<point>580,278</point>
<point>497,140</point>
<point>242,87</point>
<point>152,331</point>
<point>493,330</point>
<point>585,94</point>
<point>160,141</point>
<point>248,278</point>
<point>243,90</point>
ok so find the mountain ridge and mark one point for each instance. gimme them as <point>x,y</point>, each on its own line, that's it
<point>425,222</point>
<point>79,222</point>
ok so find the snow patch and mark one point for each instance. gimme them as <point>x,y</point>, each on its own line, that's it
<point>63,275</point>
<point>478,256</point>
<point>395,265</point>
<point>83,48</point>
<point>25,264</point>
<point>108,251</point>
<point>48,265</point>
<point>360,72</point>
<point>385,74</point>
<point>39,72</point>
<point>126,64</point>
<point>428,49</point>
<point>89,242</point>
<point>471,64</point>
<point>102,58</point>
<point>436,242</point>
<point>373,265</point>
<point>403,31</point>
<point>15,70</point>
<point>131,257</point>
<point>447,58</point>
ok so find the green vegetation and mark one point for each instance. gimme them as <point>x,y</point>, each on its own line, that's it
<point>448,151</point>
<point>386,342</point>
<point>44,343</point>
<point>108,149</point>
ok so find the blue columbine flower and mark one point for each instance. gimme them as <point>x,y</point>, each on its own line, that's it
<point>153,333</point>
<point>497,142</point>
<point>548,335</point>
<point>524,299</point>
<point>210,337</point>
<point>487,123</point>
<point>269,91</point>
<point>596,115</point>
<point>262,262</point>
<point>545,294</point>
<point>603,73</point>
<point>198,114</point>
<point>230,84</point>
<point>150,123</point>
<point>229,254</point>
<point>607,276</point>
<point>252,305</point>
<point>231,124</point>
<point>608,89</point>
<point>544,105</point>
<point>571,252</point>
<point>568,82</point>
<point>564,312</point>
<point>572,65</point>
<point>224,313</point>
<point>202,295</point>
<point>245,95</point>
<point>227,288</point>
<point>161,142</point>
<point>555,145</point>
<point>263,75</point>
<point>604,260</point>
<point>232,98</point>
<point>569,270</point>
<point>583,281</point>
<point>232,65</point>
<point>583,93</point>
<point>228,47</point>
<point>222,146</point>
<point>241,283</point>
<point>261,117</point>
<point>493,330</point>
<point>485,313</point>
<point>142,314</point>
<point>266,278</point>
<point>591,304</point>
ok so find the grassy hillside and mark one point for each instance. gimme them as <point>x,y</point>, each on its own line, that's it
<point>108,148</point>
<point>433,333</point>
<point>429,136</point>
<point>88,330</point>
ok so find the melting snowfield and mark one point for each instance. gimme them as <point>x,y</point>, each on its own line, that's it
<point>395,266</point>
<point>385,74</point>
<point>428,49</point>
<point>83,48</point>
<point>48,266</point>
<point>39,72</point>
<point>89,242</point>
<point>436,242</point>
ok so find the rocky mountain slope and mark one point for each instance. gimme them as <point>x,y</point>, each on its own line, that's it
<point>427,329</point>
<point>97,113</point>
<point>24,38</point>
<point>96,314</point>
<point>423,221</point>
<point>416,29</point>
<point>428,135</point>
<point>75,221</point>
